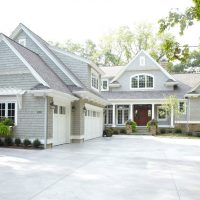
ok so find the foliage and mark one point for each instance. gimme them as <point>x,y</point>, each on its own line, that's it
<point>122,44</point>
<point>152,122</point>
<point>4,130</point>
<point>8,141</point>
<point>18,141</point>
<point>177,130</point>
<point>1,142</point>
<point>171,104</point>
<point>123,131</point>
<point>26,142</point>
<point>115,132</point>
<point>36,143</point>
<point>7,122</point>
<point>132,124</point>
<point>109,132</point>
<point>162,130</point>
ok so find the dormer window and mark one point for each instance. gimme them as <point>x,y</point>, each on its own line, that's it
<point>143,81</point>
<point>94,80</point>
<point>22,42</point>
<point>104,85</point>
<point>142,60</point>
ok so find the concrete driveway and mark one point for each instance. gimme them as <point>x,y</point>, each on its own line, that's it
<point>117,168</point>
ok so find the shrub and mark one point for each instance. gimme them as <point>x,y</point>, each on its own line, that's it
<point>109,132</point>
<point>123,131</point>
<point>18,141</point>
<point>152,122</point>
<point>133,126</point>
<point>162,130</point>
<point>1,142</point>
<point>189,134</point>
<point>4,130</point>
<point>198,134</point>
<point>116,132</point>
<point>170,131</point>
<point>26,142</point>
<point>36,143</point>
<point>8,122</point>
<point>8,141</point>
<point>177,130</point>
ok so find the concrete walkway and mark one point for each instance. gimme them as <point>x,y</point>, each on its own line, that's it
<point>117,168</point>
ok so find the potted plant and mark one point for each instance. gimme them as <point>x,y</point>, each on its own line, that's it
<point>130,126</point>
<point>152,126</point>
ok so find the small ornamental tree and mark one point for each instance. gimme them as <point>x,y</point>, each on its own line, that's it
<point>171,106</point>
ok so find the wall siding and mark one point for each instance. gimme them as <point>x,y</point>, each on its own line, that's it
<point>32,46</point>
<point>30,121</point>
<point>194,105</point>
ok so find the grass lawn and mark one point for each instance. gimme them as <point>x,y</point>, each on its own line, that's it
<point>178,135</point>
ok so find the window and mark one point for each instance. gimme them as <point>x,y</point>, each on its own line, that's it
<point>62,110</point>
<point>142,81</point>
<point>161,114</point>
<point>142,60</point>
<point>8,110</point>
<point>22,42</point>
<point>108,115</point>
<point>104,85</point>
<point>182,107</point>
<point>122,114</point>
<point>94,80</point>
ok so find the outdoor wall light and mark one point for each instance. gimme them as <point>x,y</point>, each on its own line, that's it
<point>84,109</point>
<point>73,108</point>
<point>52,105</point>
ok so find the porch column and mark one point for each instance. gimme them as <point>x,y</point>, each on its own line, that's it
<point>131,112</point>
<point>153,111</point>
<point>113,120</point>
<point>172,117</point>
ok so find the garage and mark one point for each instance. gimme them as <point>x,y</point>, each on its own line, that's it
<point>93,126</point>
<point>61,123</point>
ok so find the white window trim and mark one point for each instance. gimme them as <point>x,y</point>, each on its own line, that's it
<point>145,88</point>
<point>6,108</point>
<point>102,80</point>
<point>22,42</point>
<point>142,61</point>
<point>96,74</point>
<point>158,119</point>
<point>123,109</point>
<point>184,103</point>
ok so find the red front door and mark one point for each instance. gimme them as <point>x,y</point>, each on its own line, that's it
<point>142,114</point>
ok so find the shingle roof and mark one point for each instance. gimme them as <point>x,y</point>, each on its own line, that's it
<point>40,67</point>
<point>111,71</point>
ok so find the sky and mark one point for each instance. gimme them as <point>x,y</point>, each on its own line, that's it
<point>59,20</point>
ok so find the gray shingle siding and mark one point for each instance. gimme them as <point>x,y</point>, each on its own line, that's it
<point>34,47</point>
<point>79,68</point>
<point>30,121</point>
<point>194,112</point>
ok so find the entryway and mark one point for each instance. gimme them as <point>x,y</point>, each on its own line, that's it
<point>142,114</point>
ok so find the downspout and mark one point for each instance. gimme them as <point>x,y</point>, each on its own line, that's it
<point>45,120</point>
<point>188,115</point>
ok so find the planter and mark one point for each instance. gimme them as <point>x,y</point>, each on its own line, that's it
<point>153,130</point>
<point>129,129</point>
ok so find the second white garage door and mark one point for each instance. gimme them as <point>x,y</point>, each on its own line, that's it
<point>61,123</point>
<point>93,122</point>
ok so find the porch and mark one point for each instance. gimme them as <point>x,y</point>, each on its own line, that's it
<point>116,115</point>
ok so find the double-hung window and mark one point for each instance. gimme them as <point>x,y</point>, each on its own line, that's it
<point>94,80</point>
<point>8,110</point>
<point>104,85</point>
<point>122,114</point>
<point>182,107</point>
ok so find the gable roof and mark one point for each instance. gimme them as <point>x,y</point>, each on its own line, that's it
<point>75,56</point>
<point>146,54</point>
<point>46,77</point>
<point>44,46</point>
<point>110,72</point>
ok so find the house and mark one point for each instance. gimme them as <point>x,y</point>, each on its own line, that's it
<point>137,91</point>
<point>50,94</point>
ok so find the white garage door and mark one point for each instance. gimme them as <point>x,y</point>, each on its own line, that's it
<point>61,123</point>
<point>93,122</point>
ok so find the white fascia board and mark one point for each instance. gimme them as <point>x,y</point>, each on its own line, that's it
<point>53,93</point>
<point>195,87</point>
<point>192,95</point>
<point>78,58</point>
<point>21,27</point>
<point>33,72</point>
<point>142,51</point>
<point>90,96</point>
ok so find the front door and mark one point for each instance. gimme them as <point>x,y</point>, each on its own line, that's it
<point>142,114</point>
